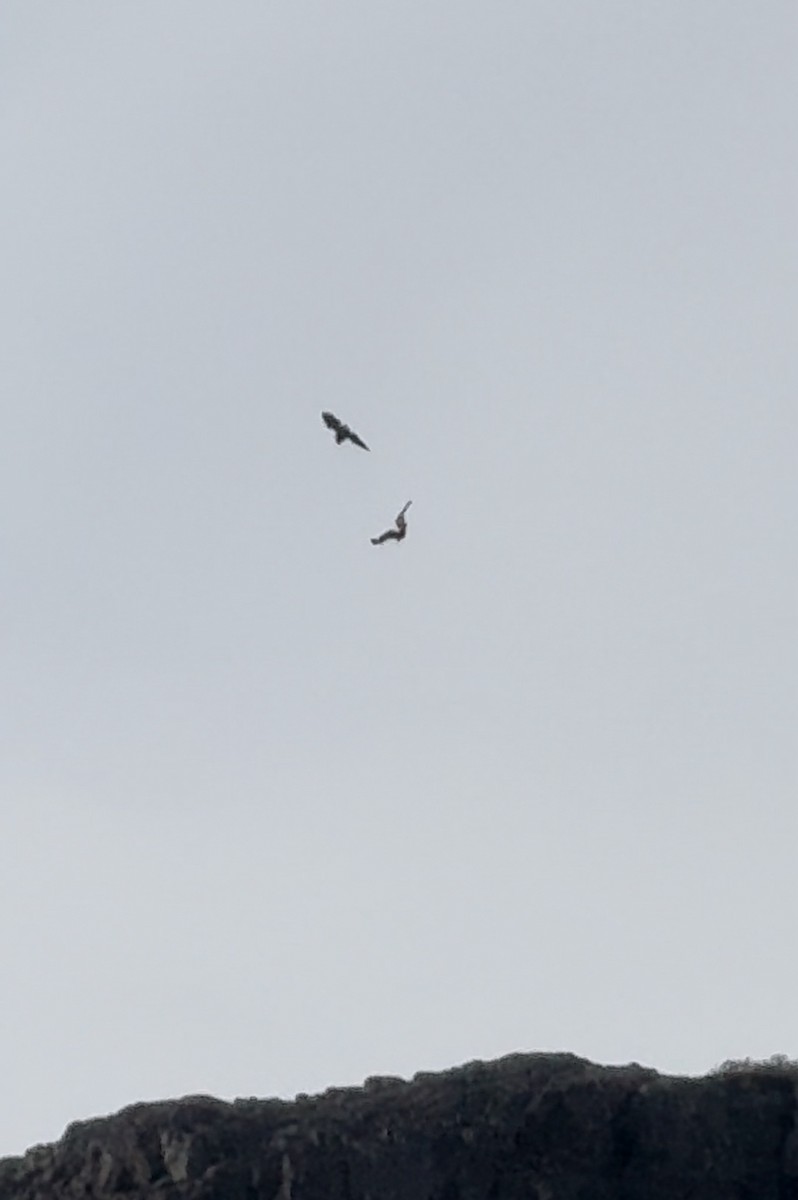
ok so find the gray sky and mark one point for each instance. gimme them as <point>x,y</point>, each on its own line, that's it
<point>279,809</point>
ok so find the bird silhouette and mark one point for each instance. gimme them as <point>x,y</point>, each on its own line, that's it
<point>342,432</point>
<point>397,534</point>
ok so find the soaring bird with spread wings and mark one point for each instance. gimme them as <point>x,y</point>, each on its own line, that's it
<point>342,432</point>
<point>397,534</point>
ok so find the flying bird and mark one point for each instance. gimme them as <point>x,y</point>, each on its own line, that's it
<point>342,432</point>
<point>394,534</point>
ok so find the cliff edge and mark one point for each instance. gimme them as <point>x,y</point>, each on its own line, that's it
<point>526,1127</point>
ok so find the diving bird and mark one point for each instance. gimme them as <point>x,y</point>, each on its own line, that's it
<point>394,534</point>
<point>342,432</point>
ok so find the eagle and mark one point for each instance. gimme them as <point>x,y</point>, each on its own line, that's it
<point>342,432</point>
<point>394,534</point>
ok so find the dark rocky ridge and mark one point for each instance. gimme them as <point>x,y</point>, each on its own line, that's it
<point>527,1127</point>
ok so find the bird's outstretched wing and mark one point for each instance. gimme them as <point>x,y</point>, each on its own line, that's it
<point>342,432</point>
<point>385,537</point>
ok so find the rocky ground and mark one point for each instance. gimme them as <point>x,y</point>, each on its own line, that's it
<point>527,1127</point>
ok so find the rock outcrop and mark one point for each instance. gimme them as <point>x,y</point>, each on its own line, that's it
<point>527,1127</point>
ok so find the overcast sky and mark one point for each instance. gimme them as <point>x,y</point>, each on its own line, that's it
<point>280,809</point>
